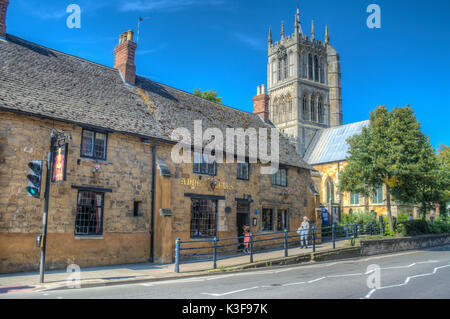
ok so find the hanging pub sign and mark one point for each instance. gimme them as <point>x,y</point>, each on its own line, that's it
<point>59,164</point>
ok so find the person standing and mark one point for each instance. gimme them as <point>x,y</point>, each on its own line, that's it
<point>303,231</point>
<point>246,239</point>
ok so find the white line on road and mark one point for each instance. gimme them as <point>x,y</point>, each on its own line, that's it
<point>407,280</point>
<point>314,280</point>
<point>229,293</point>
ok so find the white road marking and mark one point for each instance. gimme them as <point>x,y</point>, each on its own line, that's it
<point>407,280</point>
<point>347,275</point>
<point>294,283</point>
<point>314,280</point>
<point>229,293</point>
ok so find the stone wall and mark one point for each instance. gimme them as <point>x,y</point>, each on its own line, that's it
<point>392,245</point>
<point>126,172</point>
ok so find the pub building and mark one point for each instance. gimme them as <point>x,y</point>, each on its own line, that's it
<point>116,197</point>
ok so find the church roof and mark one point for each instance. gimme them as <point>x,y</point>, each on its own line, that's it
<point>39,81</point>
<point>330,145</point>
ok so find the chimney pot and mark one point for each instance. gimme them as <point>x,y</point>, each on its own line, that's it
<point>263,89</point>
<point>124,57</point>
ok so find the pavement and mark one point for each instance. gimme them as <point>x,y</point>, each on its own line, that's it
<point>135,273</point>
<point>420,274</point>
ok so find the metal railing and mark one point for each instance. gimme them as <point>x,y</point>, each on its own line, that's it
<point>214,249</point>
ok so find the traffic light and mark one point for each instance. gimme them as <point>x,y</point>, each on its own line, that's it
<point>34,179</point>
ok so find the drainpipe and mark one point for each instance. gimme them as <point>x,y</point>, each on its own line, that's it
<point>152,215</point>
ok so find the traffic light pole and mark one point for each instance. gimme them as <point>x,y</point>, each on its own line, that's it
<point>46,198</point>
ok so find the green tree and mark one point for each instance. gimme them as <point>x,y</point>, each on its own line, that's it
<point>368,161</point>
<point>393,151</point>
<point>209,95</point>
<point>444,161</point>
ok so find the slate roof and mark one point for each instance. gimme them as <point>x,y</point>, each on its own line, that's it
<point>40,81</point>
<point>330,145</point>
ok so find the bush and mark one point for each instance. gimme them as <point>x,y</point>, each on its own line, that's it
<point>360,217</point>
<point>402,217</point>
<point>421,227</point>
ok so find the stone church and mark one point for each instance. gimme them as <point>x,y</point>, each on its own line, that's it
<point>304,101</point>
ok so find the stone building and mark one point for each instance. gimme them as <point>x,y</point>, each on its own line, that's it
<point>124,199</point>
<point>303,84</point>
<point>304,101</point>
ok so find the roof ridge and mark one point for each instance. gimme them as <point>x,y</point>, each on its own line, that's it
<point>61,52</point>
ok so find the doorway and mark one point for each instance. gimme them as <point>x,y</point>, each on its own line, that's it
<point>242,218</point>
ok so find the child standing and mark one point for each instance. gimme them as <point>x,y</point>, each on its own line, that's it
<point>246,239</point>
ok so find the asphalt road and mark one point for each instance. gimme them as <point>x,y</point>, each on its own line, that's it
<point>416,274</point>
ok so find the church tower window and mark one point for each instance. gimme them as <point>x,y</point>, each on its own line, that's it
<point>305,108</point>
<point>321,111</point>
<point>313,109</point>
<point>310,67</point>
<point>316,69</point>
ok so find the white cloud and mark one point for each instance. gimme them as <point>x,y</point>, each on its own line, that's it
<point>165,5</point>
<point>249,41</point>
<point>150,51</point>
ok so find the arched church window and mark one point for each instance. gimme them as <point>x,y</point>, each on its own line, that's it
<point>330,191</point>
<point>283,110</point>
<point>304,66</point>
<point>305,108</point>
<point>289,108</point>
<point>275,111</point>
<point>322,71</point>
<point>316,69</point>
<point>313,109</point>
<point>280,69</point>
<point>321,111</point>
<point>310,67</point>
<point>274,71</point>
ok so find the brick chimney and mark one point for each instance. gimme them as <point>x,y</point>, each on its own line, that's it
<point>261,103</point>
<point>124,57</point>
<point>3,8</point>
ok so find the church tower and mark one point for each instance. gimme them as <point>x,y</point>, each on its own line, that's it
<point>303,84</point>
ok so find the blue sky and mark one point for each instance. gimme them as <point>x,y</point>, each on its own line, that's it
<point>222,45</point>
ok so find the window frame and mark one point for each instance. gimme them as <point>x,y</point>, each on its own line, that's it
<point>263,229</point>
<point>239,176</point>
<point>200,171</point>
<point>274,182</point>
<point>353,196</point>
<point>93,144</point>
<point>377,195</point>
<point>216,204</point>
<point>286,219</point>
<point>102,207</point>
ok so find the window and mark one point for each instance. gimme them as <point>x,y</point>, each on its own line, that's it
<point>89,219</point>
<point>321,111</point>
<point>330,192</point>
<point>313,109</point>
<point>305,108</point>
<point>322,71</point>
<point>354,198</point>
<point>93,145</point>
<point>289,115</point>
<point>137,209</point>
<point>291,64</point>
<point>316,69</point>
<point>201,165</point>
<point>203,218</point>
<point>282,220</point>
<point>310,67</point>
<point>243,171</point>
<point>267,219</point>
<point>280,177</point>
<point>378,195</point>
<point>304,66</point>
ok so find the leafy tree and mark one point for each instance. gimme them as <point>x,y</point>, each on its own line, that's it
<point>368,161</point>
<point>444,160</point>
<point>209,95</point>
<point>393,151</point>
